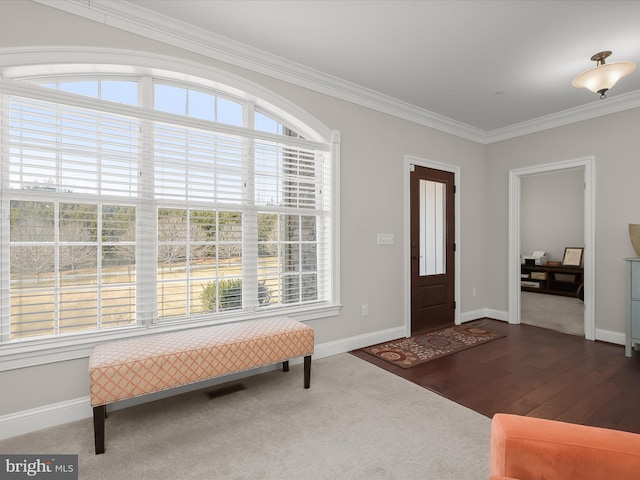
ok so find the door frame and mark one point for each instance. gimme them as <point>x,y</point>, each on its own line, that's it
<point>515,176</point>
<point>408,161</point>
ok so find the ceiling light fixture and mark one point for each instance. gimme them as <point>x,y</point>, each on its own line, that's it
<point>604,76</point>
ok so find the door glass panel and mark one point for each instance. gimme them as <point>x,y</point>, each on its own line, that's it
<point>432,227</point>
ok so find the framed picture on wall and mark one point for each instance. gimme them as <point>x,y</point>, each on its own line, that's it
<point>572,256</point>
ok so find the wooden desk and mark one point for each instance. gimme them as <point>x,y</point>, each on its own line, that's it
<point>561,280</point>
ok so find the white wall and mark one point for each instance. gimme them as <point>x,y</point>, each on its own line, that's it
<point>552,212</point>
<point>372,156</point>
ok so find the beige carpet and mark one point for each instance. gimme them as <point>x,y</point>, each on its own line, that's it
<point>356,421</point>
<point>563,314</point>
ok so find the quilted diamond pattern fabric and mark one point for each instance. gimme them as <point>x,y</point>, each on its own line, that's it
<point>135,367</point>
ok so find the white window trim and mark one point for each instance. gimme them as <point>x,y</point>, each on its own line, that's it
<point>21,62</point>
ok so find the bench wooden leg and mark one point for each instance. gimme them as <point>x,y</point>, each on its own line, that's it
<point>99,414</point>
<point>307,371</point>
<point>285,366</point>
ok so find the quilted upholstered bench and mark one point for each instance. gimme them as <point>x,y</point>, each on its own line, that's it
<point>134,367</point>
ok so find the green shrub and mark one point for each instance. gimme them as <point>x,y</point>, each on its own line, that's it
<point>227,294</point>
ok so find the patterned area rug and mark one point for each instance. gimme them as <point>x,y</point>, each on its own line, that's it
<point>409,352</point>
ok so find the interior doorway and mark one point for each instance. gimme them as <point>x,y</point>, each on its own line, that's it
<point>453,172</point>
<point>515,179</point>
<point>552,220</point>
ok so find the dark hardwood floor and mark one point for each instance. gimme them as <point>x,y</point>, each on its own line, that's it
<point>539,373</point>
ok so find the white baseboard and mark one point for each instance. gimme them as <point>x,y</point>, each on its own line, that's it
<point>353,343</point>
<point>611,337</point>
<point>484,313</point>
<point>608,336</point>
<point>34,419</point>
<point>496,314</point>
<point>26,421</point>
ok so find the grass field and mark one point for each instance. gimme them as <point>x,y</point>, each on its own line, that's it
<point>86,304</point>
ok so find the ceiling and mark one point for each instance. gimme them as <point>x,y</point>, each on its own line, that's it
<point>485,64</point>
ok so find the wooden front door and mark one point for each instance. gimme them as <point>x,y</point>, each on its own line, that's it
<point>432,249</point>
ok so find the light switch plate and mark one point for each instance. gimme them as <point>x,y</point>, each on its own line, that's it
<point>386,239</point>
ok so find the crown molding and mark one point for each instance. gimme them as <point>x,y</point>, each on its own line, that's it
<point>598,108</point>
<point>131,18</point>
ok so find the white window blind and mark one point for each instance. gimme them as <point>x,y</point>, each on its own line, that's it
<point>116,216</point>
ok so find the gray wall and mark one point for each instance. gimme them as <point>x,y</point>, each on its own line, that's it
<point>552,212</point>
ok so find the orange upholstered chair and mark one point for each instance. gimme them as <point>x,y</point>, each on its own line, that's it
<point>527,448</point>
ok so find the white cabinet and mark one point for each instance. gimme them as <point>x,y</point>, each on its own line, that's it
<point>633,305</point>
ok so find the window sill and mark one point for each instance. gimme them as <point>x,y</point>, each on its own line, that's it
<point>41,352</point>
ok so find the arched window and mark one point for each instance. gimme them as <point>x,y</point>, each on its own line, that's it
<point>130,201</point>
